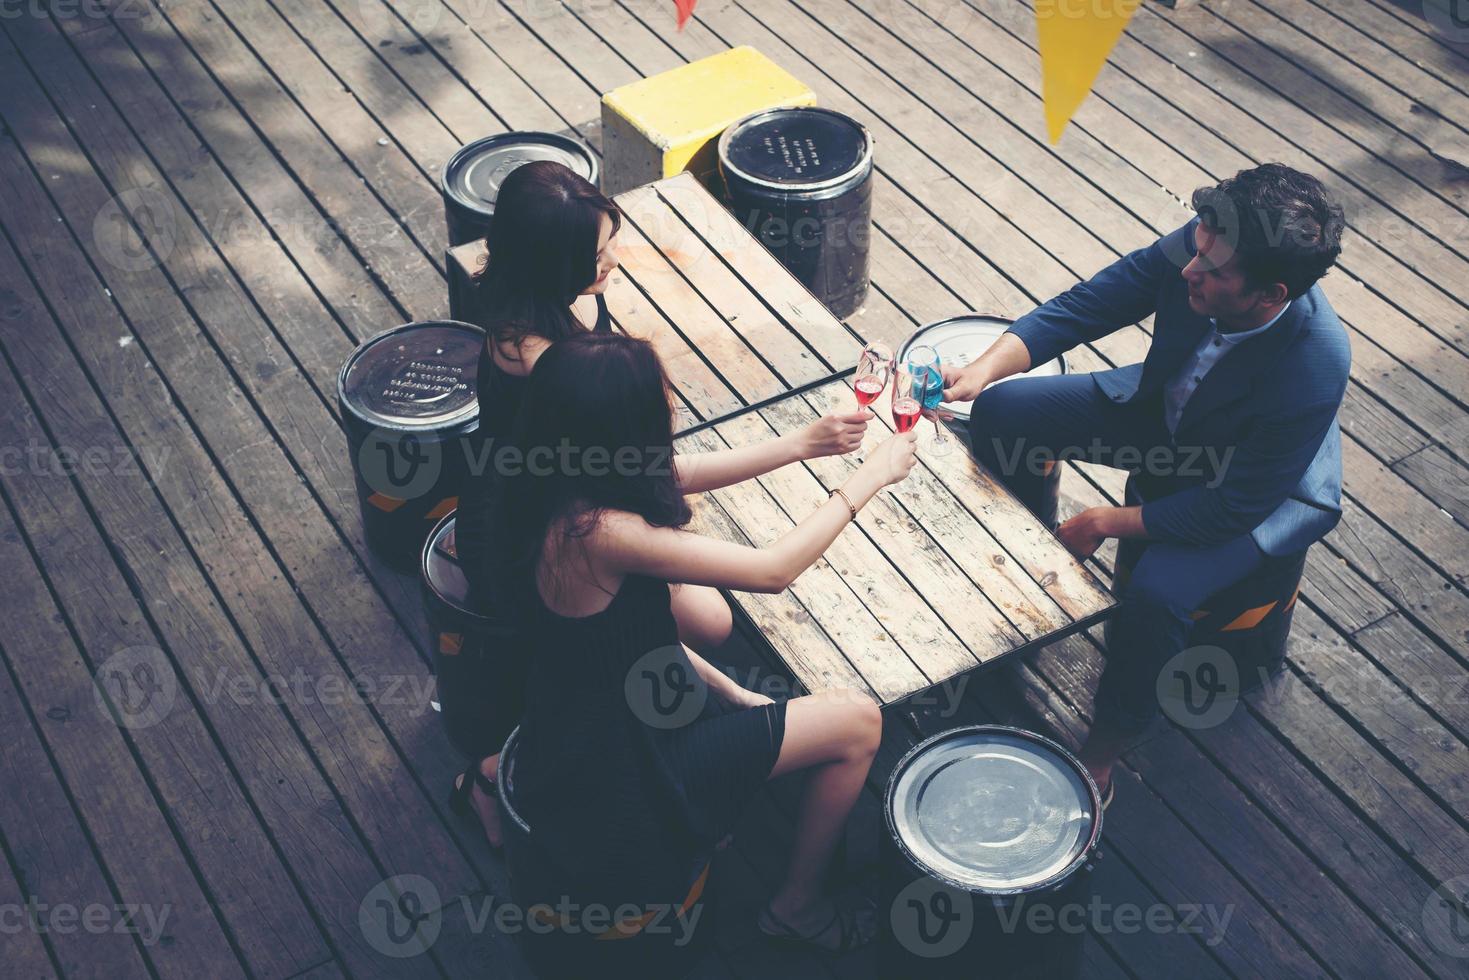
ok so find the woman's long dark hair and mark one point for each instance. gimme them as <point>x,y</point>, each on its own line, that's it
<point>596,412</point>
<point>543,252</point>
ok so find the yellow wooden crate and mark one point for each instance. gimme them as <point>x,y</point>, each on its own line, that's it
<point>667,123</point>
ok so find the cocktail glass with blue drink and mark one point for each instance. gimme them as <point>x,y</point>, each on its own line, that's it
<point>923,361</point>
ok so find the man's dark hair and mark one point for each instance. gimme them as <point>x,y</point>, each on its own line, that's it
<point>1283,224</point>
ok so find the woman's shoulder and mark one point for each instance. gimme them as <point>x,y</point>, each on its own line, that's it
<point>512,352</point>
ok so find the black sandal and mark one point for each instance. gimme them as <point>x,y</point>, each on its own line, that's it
<point>849,936</point>
<point>464,786</point>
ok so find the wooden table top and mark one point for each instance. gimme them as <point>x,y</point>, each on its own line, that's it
<point>939,575</point>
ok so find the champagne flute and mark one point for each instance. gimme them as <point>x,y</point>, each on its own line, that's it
<point>907,398</point>
<point>873,368</point>
<point>923,362</point>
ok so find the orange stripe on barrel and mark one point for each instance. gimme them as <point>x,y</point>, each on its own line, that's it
<point>451,643</point>
<point>385,503</point>
<point>1250,618</point>
<point>444,507</point>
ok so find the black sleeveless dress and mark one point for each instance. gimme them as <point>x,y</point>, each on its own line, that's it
<point>628,769</point>
<point>479,688</point>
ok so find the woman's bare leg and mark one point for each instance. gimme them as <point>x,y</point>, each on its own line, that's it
<point>704,619</point>
<point>486,805</point>
<point>834,734</point>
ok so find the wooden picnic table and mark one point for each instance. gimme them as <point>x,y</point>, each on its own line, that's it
<point>939,575</point>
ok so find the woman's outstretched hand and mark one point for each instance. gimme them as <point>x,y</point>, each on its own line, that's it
<point>893,460</point>
<point>834,435</point>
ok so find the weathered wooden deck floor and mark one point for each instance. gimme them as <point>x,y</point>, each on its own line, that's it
<point>178,505</point>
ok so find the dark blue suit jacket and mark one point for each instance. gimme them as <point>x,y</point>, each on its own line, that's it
<point>1270,403</point>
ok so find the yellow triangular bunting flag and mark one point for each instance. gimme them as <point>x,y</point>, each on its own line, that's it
<point>1075,38</point>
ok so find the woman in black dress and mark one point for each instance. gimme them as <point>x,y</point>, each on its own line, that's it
<point>624,792</point>
<point>553,249</point>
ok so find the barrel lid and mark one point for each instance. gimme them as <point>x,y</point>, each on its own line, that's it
<point>474,174</point>
<point>798,149</point>
<point>960,339</point>
<point>993,809</point>
<point>417,376</point>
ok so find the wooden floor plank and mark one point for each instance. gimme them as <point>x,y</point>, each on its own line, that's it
<point>1413,39</point>
<point>134,835</point>
<point>286,166</point>
<point>361,632</point>
<point>339,110</point>
<point>289,301</point>
<point>1369,858</point>
<point>220,670</point>
<point>48,856</point>
<point>216,820</point>
<point>286,103</point>
<point>1291,103</point>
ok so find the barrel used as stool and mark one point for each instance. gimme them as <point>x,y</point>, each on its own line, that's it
<point>959,340</point>
<point>479,679</point>
<point>407,399</point>
<point>561,945</point>
<point>993,832</point>
<point>801,180</point>
<point>1250,620</point>
<point>471,179</point>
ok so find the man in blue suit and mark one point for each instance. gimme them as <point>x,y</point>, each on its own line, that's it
<point>1229,423</point>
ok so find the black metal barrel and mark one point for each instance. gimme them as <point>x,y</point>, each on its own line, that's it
<point>1249,620</point>
<point>992,835</point>
<point>407,399</point>
<point>478,669</point>
<point>573,937</point>
<point>801,180</point>
<point>471,179</point>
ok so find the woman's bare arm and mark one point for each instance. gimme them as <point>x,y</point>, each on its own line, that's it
<point>625,544</point>
<point>831,435</point>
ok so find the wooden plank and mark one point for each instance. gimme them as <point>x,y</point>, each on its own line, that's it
<point>1343,844</point>
<point>338,100</point>
<point>1367,116</point>
<point>823,593</point>
<point>286,297</point>
<point>1440,476</point>
<point>1369,61</point>
<point>260,740</point>
<point>25,950</point>
<point>1413,40</point>
<point>1070,584</point>
<point>47,855</point>
<point>286,168</point>
<point>966,542</point>
<point>1145,952</point>
<point>218,825</point>
<point>146,861</point>
<point>876,580</point>
<point>932,575</point>
<point>808,652</point>
<point>1121,132</point>
<point>757,268</point>
<point>1181,866</point>
<point>777,343</point>
<point>364,639</point>
<point>654,268</point>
